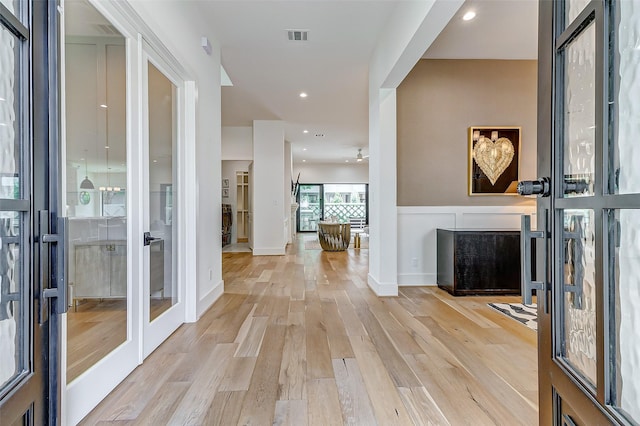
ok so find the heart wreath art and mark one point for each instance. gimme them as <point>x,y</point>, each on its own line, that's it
<point>493,157</point>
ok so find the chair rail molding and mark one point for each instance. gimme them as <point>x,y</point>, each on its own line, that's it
<point>417,225</point>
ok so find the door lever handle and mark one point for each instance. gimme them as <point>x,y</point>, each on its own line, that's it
<point>148,239</point>
<point>528,285</point>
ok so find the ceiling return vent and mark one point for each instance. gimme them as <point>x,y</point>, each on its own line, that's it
<point>297,35</point>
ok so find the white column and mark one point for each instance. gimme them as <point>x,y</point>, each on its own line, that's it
<point>288,167</point>
<point>383,222</point>
<point>269,209</point>
<point>410,30</point>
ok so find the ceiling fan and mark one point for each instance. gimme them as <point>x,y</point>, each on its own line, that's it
<point>360,157</point>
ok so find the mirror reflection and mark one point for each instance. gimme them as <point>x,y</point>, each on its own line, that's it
<point>96,177</point>
<point>162,144</point>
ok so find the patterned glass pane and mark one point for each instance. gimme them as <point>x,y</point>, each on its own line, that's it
<point>624,248</point>
<point>579,115</point>
<point>624,63</point>
<point>573,9</point>
<point>10,109</point>
<point>12,327</point>
<point>12,297</point>
<point>579,306</point>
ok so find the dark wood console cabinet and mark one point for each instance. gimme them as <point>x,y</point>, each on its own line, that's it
<point>478,261</point>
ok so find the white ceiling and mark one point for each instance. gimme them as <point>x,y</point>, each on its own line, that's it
<point>268,71</point>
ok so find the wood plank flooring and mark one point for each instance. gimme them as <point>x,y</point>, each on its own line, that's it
<point>95,327</point>
<point>301,340</point>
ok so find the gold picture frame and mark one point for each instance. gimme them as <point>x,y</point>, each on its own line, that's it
<point>494,160</point>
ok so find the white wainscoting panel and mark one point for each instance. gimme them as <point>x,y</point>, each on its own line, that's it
<point>417,234</point>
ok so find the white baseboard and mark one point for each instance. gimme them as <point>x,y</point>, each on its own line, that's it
<point>382,289</point>
<point>210,298</point>
<point>424,279</point>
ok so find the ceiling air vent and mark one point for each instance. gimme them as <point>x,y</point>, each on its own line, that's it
<point>297,35</point>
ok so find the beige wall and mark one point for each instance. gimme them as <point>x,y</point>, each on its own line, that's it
<point>436,104</point>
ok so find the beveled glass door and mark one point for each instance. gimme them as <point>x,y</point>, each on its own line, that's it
<point>589,127</point>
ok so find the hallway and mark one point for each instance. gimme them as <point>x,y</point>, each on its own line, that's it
<point>300,339</point>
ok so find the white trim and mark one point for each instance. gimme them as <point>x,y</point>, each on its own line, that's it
<point>83,394</point>
<point>382,289</point>
<point>189,222</point>
<point>414,280</point>
<point>269,251</point>
<point>210,298</point>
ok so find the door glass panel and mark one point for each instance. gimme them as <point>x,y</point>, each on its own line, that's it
<point>624,250</point>
<point>310,207</point>
<point>10,108</point>
<point>579,307</point>
<point>12,299</point>
<point>96,171</point>
<point>573,9</point>
<point>345,202</point>
<point>14,317</point>
<point>625,116</point>
<point>579,115</point>
<point>162,192</point>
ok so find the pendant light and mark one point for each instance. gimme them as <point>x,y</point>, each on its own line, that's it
<point>359,156</point>
<point>86,183</point>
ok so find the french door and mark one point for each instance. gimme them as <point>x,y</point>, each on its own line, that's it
<point>310,199</point>
<point>163,105</point>
<point>589,221</point>
<point>32,285</point>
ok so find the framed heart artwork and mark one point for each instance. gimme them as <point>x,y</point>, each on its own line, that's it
<point>494,160</point>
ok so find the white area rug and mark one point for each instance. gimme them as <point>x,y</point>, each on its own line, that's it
<point>525,314</point>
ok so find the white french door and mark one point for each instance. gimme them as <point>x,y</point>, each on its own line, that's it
<point>163,136</point>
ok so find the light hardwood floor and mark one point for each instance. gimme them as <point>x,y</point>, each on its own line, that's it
<point>300,339</point>
<point>95,327</point>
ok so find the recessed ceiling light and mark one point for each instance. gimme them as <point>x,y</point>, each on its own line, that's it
<point>469,16</point>
<point>346,161</point>
<point>303,94</point>
<point>103,106</point>
<point>304,161</point>
<point>106,146</point>
<point>305,131</point>
<point>304,149</point>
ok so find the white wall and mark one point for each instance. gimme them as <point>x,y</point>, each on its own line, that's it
<point>417,231</point>
<point>268,218</point>
<point>332,173</point>
<point>237,143</point>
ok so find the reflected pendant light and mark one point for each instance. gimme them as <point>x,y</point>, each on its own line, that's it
<point>86,183</point>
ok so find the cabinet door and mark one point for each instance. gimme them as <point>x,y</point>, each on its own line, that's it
<point>92,271</point>
<point>118,270</point>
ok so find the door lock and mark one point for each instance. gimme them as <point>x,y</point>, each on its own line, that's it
<point>540,187</point>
